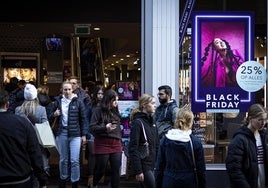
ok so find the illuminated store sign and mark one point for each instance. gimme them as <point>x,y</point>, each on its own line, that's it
<point>221,42</point>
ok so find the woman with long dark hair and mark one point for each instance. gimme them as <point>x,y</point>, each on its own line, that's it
<point>219,64</point>
<point>97,96</point>
<point>105,127</point>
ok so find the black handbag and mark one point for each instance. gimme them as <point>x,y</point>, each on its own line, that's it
<point>143,149</point>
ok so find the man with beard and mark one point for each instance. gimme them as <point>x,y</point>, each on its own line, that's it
<point>166,112</point>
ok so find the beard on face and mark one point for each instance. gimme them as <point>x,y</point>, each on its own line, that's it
<point>162,101</point>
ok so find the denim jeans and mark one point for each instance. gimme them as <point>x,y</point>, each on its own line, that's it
<point>69,150</point>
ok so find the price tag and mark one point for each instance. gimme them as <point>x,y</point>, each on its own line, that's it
<point>251,76</point>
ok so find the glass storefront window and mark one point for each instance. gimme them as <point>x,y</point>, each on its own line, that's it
<point>215,130</point>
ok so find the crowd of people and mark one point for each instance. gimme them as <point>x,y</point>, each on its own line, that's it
<point>171,154</point>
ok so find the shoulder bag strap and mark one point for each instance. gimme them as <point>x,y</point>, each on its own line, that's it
<point>192,148</point>
<point>143,130</point>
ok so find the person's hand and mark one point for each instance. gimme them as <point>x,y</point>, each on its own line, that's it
<point>110,126</point>
<point>84,140</point>
<point>57,112</point>
<point>140,177</point>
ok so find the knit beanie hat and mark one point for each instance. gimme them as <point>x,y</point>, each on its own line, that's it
<point>30,92</point>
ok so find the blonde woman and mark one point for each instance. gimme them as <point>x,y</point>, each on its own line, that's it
<point>142,122</point>
<point>36,113</point>
<point>175,165</point>
<point>70,134</point>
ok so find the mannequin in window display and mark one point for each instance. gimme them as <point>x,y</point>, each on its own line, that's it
<point>219,64</point>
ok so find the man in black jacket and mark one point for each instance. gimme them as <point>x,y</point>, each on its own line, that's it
<point>20,152</point>
<point>166,112</point>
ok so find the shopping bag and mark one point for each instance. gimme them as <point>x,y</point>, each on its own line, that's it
<point>123,170</point>
<point>45,135</point>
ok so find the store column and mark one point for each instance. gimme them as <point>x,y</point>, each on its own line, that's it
<point>160,45</point>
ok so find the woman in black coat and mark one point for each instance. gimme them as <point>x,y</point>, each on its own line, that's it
<point>246,160</point>
<point>142,117</point>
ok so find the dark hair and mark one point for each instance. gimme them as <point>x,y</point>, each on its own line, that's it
<point>22,82</point>
<point>94,100</point>
<point>106,108</point>
<point>168,89</point>
<point>233,58</point>
<point>3,97</point>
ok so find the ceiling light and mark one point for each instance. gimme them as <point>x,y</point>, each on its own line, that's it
<point>96,28</point>
<point>122,59</point>
<point>127,55</point>
<point>114,55</point>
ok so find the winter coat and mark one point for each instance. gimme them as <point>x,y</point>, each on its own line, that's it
<point>40,115</point>
<point>174,165</point>
<point>98,124</point>
<point>77,124</point>
<point>241,161</point>
<point>20,151</point>
<point>139,165</point>
<point>165,116</point>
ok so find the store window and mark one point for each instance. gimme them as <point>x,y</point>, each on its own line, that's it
<point>215,130</point>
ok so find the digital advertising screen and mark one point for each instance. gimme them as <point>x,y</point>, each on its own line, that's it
<point>221,42</point>
<point>27,74</point>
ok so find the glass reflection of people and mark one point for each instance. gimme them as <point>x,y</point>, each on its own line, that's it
<point>27,74</point>
<point>132,87</point>
<point>11,72</point>
<point>219,65</point>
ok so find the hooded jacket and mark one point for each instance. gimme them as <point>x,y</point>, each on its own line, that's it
<point>165,116</point>
<point>175,165</point>
<point>241,161</point>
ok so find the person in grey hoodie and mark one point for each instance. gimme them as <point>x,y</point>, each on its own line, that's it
<point>176,165</point>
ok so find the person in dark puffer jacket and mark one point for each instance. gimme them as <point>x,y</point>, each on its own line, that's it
<point>246,161</point>
<point>72,129</point>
